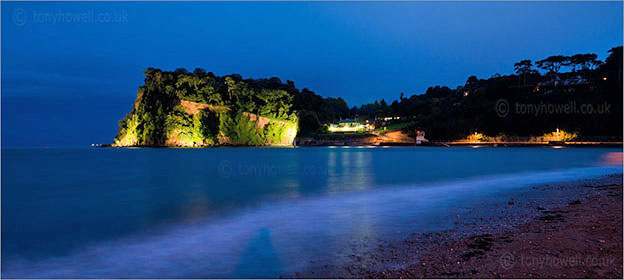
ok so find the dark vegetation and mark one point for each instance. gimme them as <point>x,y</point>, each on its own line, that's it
<point>156,115</point>
<point>442,112</point>
<point>447,114</point>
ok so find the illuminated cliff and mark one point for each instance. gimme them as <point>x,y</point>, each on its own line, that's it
<point>181,109</point>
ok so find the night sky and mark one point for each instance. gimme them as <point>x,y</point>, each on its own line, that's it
<point>70,71</point>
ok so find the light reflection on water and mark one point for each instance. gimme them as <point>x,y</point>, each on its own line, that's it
<point>612,158</point>
<point>171,213</point>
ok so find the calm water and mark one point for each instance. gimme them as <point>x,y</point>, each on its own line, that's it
<point>245,212</point>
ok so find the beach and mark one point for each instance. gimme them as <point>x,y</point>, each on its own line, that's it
<point>316,212</point>
<point>575,234</point>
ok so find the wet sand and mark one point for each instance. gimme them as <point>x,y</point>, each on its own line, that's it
<point>573,231</point>
<point>580,240</point>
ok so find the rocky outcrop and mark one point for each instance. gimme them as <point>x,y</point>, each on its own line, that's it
<point>196,124</point>
<point>193,108</point>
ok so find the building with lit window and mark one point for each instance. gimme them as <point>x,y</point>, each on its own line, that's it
<point>350,125</point>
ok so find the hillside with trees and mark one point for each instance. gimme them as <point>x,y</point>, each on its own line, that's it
<point>181,108</point>
<point>586,100</point>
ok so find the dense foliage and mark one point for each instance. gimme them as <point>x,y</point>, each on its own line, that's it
<point>158,118</point>
<point>509,105</point>
<point>501,105</point>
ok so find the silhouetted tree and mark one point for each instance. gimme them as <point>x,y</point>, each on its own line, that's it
<point>181,71</point>
<point>613,64</point>
<point>553,63</point>
<point>523,68</point>
<point>199,71</point>
<point>472,81</point>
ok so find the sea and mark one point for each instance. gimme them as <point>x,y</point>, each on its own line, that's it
<point>248,212</point>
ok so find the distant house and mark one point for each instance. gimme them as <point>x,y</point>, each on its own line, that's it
<point>350,125</point>
<point>389,118</point>
<point>420,137</point>
<point>347,122</point>
<point>576,80</point>
<point>384,120</point>
<point>556,81</point>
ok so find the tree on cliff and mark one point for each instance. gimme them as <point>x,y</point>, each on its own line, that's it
<point>553,63</point>
<point>523,68</point>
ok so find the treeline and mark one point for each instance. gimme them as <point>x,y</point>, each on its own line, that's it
<point>267,97</point>
<point>157,116</point>
<point>446,113</point>
<point>443,113</point>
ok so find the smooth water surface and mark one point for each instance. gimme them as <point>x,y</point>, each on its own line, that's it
<point>245,212</point>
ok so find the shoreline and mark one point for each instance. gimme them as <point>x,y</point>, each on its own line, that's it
<point>564,230</point>
<point>528,144</point>
<point>391,144</point>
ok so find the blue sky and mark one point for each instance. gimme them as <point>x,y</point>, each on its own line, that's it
<point>71,70</point>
